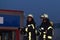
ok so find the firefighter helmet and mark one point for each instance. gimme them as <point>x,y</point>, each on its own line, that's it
<point>44,16</point>
<point>30,15</point>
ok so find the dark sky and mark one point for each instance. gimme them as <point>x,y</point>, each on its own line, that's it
<point>36,7</point>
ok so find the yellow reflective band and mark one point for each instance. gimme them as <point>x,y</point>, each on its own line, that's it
<point>44,36</point>
<point>36,31</point>
<point>29,25</point>
<point>50,27</point>
<point>44,32</point>
<point>42,28</point>
<point>29,35</point>
<point>33,26</point>
<point>49,37</point>
<point>26,29</point>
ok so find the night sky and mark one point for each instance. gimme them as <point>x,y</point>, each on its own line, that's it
<point>36,7</point>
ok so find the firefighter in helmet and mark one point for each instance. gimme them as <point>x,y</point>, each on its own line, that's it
<point>46,28</point>
<point>30,28</point>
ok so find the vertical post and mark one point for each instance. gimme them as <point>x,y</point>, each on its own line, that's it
<point>17,34</point>
<point>21,23</point>
<point>9,35</point>
<point>13,35</point>
<point>5,36</point>
<point>0,37</point>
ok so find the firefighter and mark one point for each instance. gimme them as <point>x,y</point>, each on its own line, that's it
<point>46,28</point>
<point>30,28</point>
